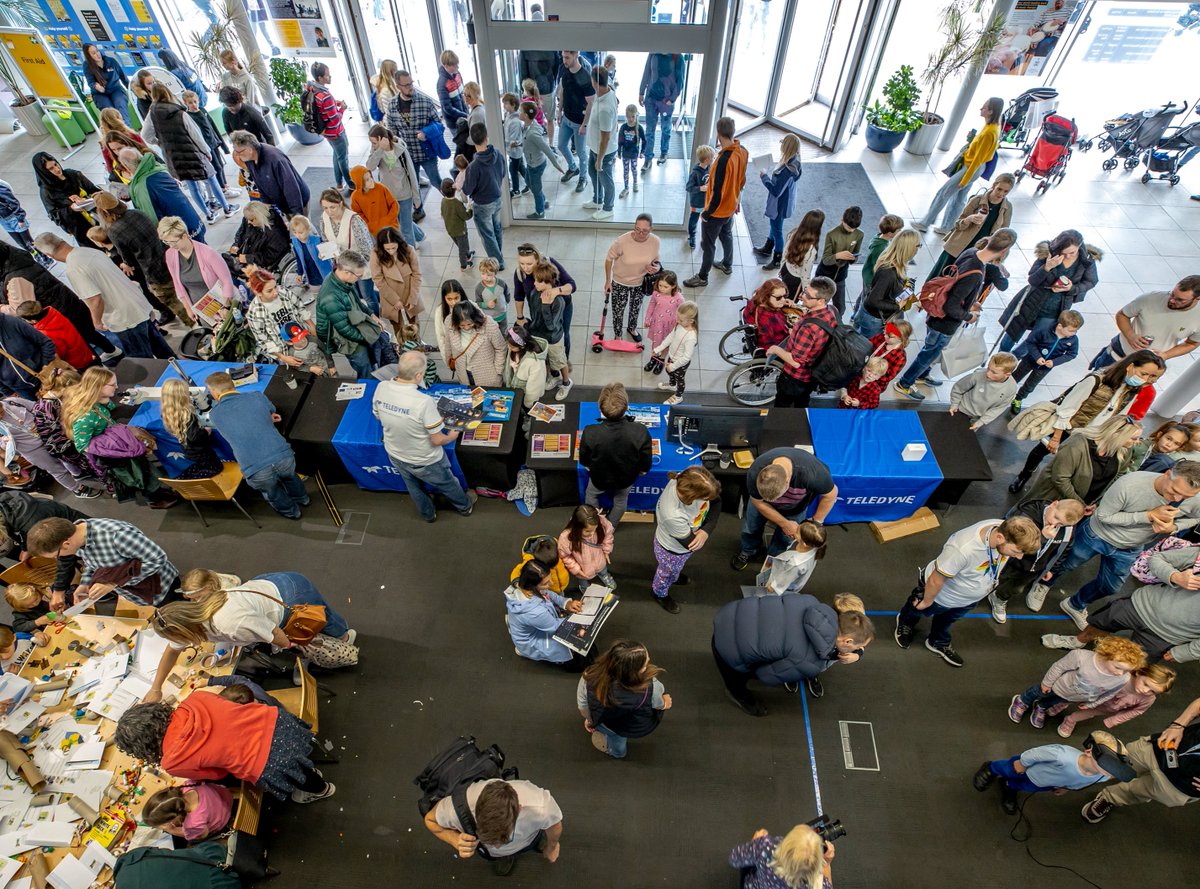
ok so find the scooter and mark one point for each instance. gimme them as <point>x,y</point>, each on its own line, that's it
<point>599,343</point>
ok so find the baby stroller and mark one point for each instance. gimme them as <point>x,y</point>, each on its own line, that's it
<point>1023,114</point>
<point>1048,158</point>
<point>1130,135</point>
<point>1162,161</point>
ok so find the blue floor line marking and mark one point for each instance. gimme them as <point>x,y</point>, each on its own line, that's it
<point>987,616</point>
<point>812,753</point>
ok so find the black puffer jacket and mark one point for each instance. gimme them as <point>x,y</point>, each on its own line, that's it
<point>187,159</point>
<point>777,638</point>
<point>19,512</point>
<point>50,291</point>
<point>265,247</point>
<point>1036,299</point>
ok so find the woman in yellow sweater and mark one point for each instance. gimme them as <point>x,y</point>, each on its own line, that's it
<point>953,195</point>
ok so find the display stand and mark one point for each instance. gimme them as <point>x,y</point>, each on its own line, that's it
<point>27,52</point>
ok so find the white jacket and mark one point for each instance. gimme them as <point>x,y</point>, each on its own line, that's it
<point>678,347</point>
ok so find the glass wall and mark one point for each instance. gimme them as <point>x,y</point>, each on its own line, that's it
<point>664,12</point>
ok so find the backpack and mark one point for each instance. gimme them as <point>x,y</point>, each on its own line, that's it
<point>456,768</point>
<point>843,357</point>
<point>200,867</point>
<point>1141,567</point>
<point>313,122</point>
<point>934,291</point>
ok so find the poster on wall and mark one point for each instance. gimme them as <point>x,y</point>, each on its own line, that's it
<point>301,27</point>
<point>127,30</point>
<point>1032,30</point>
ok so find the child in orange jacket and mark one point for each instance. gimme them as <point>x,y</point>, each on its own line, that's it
<point>373,201</point>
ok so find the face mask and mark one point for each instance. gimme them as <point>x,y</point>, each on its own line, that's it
<point>1133,381</point>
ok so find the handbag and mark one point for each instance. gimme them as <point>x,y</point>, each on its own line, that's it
<point>965,351</point>
<point>303,623</point>
<point>650,281</point>
<point>451,359</point>
<point>331,653</point>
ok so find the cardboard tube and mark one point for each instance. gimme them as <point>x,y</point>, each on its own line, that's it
<point>15,756</point>
<point>52,685</point>
<point>38,869</point>
<point>79,807</point>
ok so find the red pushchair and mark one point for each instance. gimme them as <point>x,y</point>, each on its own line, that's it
<point>1047,160</point>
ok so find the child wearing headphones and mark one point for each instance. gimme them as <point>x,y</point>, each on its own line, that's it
<point>1057,767</point>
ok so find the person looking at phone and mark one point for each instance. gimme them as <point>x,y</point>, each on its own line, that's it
<point>1063,272</point>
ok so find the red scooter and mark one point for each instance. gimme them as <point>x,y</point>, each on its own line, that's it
<point>599,343</point>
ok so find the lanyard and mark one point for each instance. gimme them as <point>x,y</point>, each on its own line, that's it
<point>993,562</point>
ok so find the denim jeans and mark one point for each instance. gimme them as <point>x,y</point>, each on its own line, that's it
<point>941,618</point>
<point>866,323</point>
<point>280,486</point>
<point>953,197</point>
<point>753,523</point>
<point>430,167</point>
<point>439,478</point>
<point>215,190</point>
<point>604,187</point>
<point>934,343</point>
<point>568,134</point>
<point>653,120</point>
<point>1115,565</point>
<point>144,341</point>
<point>617,746</point>
<point>368,294</point>
<point>1044,699</point>
<point>693,221</point>
<point>533,178</point>
<point>341,160</point>
<point>620,501</point>
<point>487,222</point>
<point>361,362</point>
<point>411,231</point>
<point>296,589</point>
<point>118,99</point>
<point>776,233</point>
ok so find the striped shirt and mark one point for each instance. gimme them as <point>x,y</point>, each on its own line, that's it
<point>328,112</point>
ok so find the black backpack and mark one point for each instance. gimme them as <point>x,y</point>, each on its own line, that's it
<point>313,121</point>
<point>843,357</point>
<point>456,768</point>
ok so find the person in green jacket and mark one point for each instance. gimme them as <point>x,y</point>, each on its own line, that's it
<point>336,300</point>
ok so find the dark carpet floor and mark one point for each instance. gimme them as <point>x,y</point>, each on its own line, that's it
<point>828,187</point>
<point>437,662</point>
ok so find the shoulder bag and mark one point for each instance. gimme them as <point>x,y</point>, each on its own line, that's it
<point>55,363</point>
<point>451,359</point>
<point>304,622</point>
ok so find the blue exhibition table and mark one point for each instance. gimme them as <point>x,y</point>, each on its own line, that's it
<point>863,452</point>
<point>669,457</point>
<point>149,413</point>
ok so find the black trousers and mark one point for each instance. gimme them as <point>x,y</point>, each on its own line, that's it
<point>1036,374</point>
<point>710,231</point>
<point>790,392</point>
<point>735,680</point>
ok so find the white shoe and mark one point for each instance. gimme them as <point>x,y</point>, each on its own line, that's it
<point>999,608</point>
<point>304,797</point>
<point>563,389</point>
<point>591,205</point>
<point>1036,597</point>
<point>674,399</point>
<point>350,636</point>
<point>938,230</point>
<point>602,214</point>
<point>919,226</point>
<point>666,387</point>
<point>1068,643</point>
<point>232,192</point>
<point>553,383</point>
<point>1079,615</point>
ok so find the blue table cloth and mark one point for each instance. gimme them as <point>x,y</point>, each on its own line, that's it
<point>862,450</point>
<point>149,413</point>
<point>646,490</point>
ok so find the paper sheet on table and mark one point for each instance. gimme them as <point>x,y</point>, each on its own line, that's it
<point>151,837</point>
<point>50,699</point>
<point>8,869</point>
<point>132,689</point>
<point>95,857</point>
<point>14,844</point>
<point>50,763</point>
<point>50,833</point>
<point>147,651</point>
<point>97,692</point>
<point>16,721</point>
<point>14,688</point>
<point>71,873</point>
<point>88,786</point>
<point>22,883</point>
<point>85,756</point>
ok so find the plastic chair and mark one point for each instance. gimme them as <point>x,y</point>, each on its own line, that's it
<point>221,488</point>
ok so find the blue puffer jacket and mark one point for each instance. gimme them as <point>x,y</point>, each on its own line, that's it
<point>778,638</point>
<point>532,621</point>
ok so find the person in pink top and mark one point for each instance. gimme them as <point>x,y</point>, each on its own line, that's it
<point>630,258</point>
<point>193,811</point>
<point>660,311</point>
<point>585,547</point>
<point>1145,685</point>
<point>195,267</point>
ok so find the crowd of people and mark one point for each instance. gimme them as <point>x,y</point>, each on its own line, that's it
<point>137,263</point>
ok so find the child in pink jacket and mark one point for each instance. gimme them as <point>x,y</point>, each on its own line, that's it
<point>585,547</point>
<point>660,312</point>
<point>1145,685</point>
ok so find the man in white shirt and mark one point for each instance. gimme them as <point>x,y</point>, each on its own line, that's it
<point>116,303</point>
<point>601,135</point>
<point>509,817</point>
<point>413,436</point>
<point>1166,323</point>
<point>964,572</point>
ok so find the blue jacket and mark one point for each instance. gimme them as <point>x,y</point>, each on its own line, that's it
<point>12,214</point>
<point>28,345</point>
<point>169,200</point>
<point>454,108</point>
<point>781,190</point>
<point>532,621</point>
<point>244,420</point>
<point>777,638</point>
<point>1042,343</point>
<point>115,78</point>
<point>695,187</point>
<point>279,184</point>
<point>315,269</point>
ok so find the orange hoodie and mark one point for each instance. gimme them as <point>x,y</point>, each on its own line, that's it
<point>210,737</point>
<point>726,179</point>
<point>377,207</point>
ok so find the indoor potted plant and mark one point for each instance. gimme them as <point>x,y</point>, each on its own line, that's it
<point>967,42</point>
<point>887,123</point>
<point>25,108</point>
<point>289,78</point>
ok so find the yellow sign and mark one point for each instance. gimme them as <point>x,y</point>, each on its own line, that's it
<point>45,79</point>
<point>142,13</point>
<point>290,34</point>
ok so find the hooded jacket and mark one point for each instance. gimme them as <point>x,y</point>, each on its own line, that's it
<point>156,193</point>
<point>532,621</point>
<point>210,737</point>
<point>49,290</point>
<point>777,638</point>
<point>136,239</point>
<point>19,513</point>
<point>560,578</point>
<point>591,558</point>
<point>24,343</point>
<point>395,170</point>
<point>615,452</point>
<point>56,196</point>
<point>529,375</point>
<point>485,176</point>
<point>69,345</point>
<point>377,207</point>
<point>169,126</point>
<point>1037,300</point>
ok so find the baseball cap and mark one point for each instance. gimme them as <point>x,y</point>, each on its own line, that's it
<point>292,332</point>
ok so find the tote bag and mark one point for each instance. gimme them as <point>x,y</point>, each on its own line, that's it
<point>966,351</point>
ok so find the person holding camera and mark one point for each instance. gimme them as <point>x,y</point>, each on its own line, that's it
<point>800,860</point>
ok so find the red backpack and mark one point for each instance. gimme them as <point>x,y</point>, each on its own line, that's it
<point>934,291</point>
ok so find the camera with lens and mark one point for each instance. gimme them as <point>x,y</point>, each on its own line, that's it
<point>828,830</point>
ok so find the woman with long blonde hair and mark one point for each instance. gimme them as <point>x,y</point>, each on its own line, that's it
<point>383,85</point>
<point>781,198</point>
<point>891,279</point>
<point>181,420</point>
<point>800,860</point>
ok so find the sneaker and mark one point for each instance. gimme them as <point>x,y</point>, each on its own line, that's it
<point>472,499</point>
<point>602,214</point>
<point>502,867</point>
<point>1097,810</point>
<point>535,215</point>
<point>83,492</point>
<point>750,707</point>
<point>232,192</point>
<point>691,243</point>
<point>726,267</point>
<point>1017,709</point>
<point>792,688</point>
<point>1036,597</point>
<point>740,561</point>
<point>908,392</point>
<point>1015,407</point>
<point>581,186</point>
<point>930,382</point>
<point>815,688</point>
<point>662,160</point>
<point>568,176</point>
<point>1008,799</point>
<point>1079,615</point>
<point>600,741</point>
<point>667,604</point>
<point>1065,729</point>
<point>984,777</point>
<point>304,797</point>
<point>607,579</point>
<point>635,188</point>
<point>1037,716</point>
<point>696,281</point>
<point>1058,708</point>
<point>467,266</point>
<point>232,209</point>
<point>211,216</point>
<point>591,205</point>
<point>563,389</point>
<point>947,653</point>
<point>999,609</point>
<point>624,192</point>
<point>646,165</point>
<point>666,387</point>
<point>673,399</point>
<point>941,230</point>
<point>350,636</point>
<point>919,226</point>
<point>1067,643</point>
<point>553,383</point>
<point>903,634</point>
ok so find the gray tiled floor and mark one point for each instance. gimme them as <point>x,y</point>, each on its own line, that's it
<point>1150,235</point>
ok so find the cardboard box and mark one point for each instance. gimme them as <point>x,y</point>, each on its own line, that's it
<point>921,520</point>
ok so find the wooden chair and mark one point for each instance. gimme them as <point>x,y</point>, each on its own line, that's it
<point>300,702</point>
<point>221,488</point>
<point>249,809</point>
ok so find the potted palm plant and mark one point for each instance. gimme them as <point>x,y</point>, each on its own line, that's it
<point>888,121</point>
<point>289,77</point>
<point>25,107</point>
<point>967,42</point>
